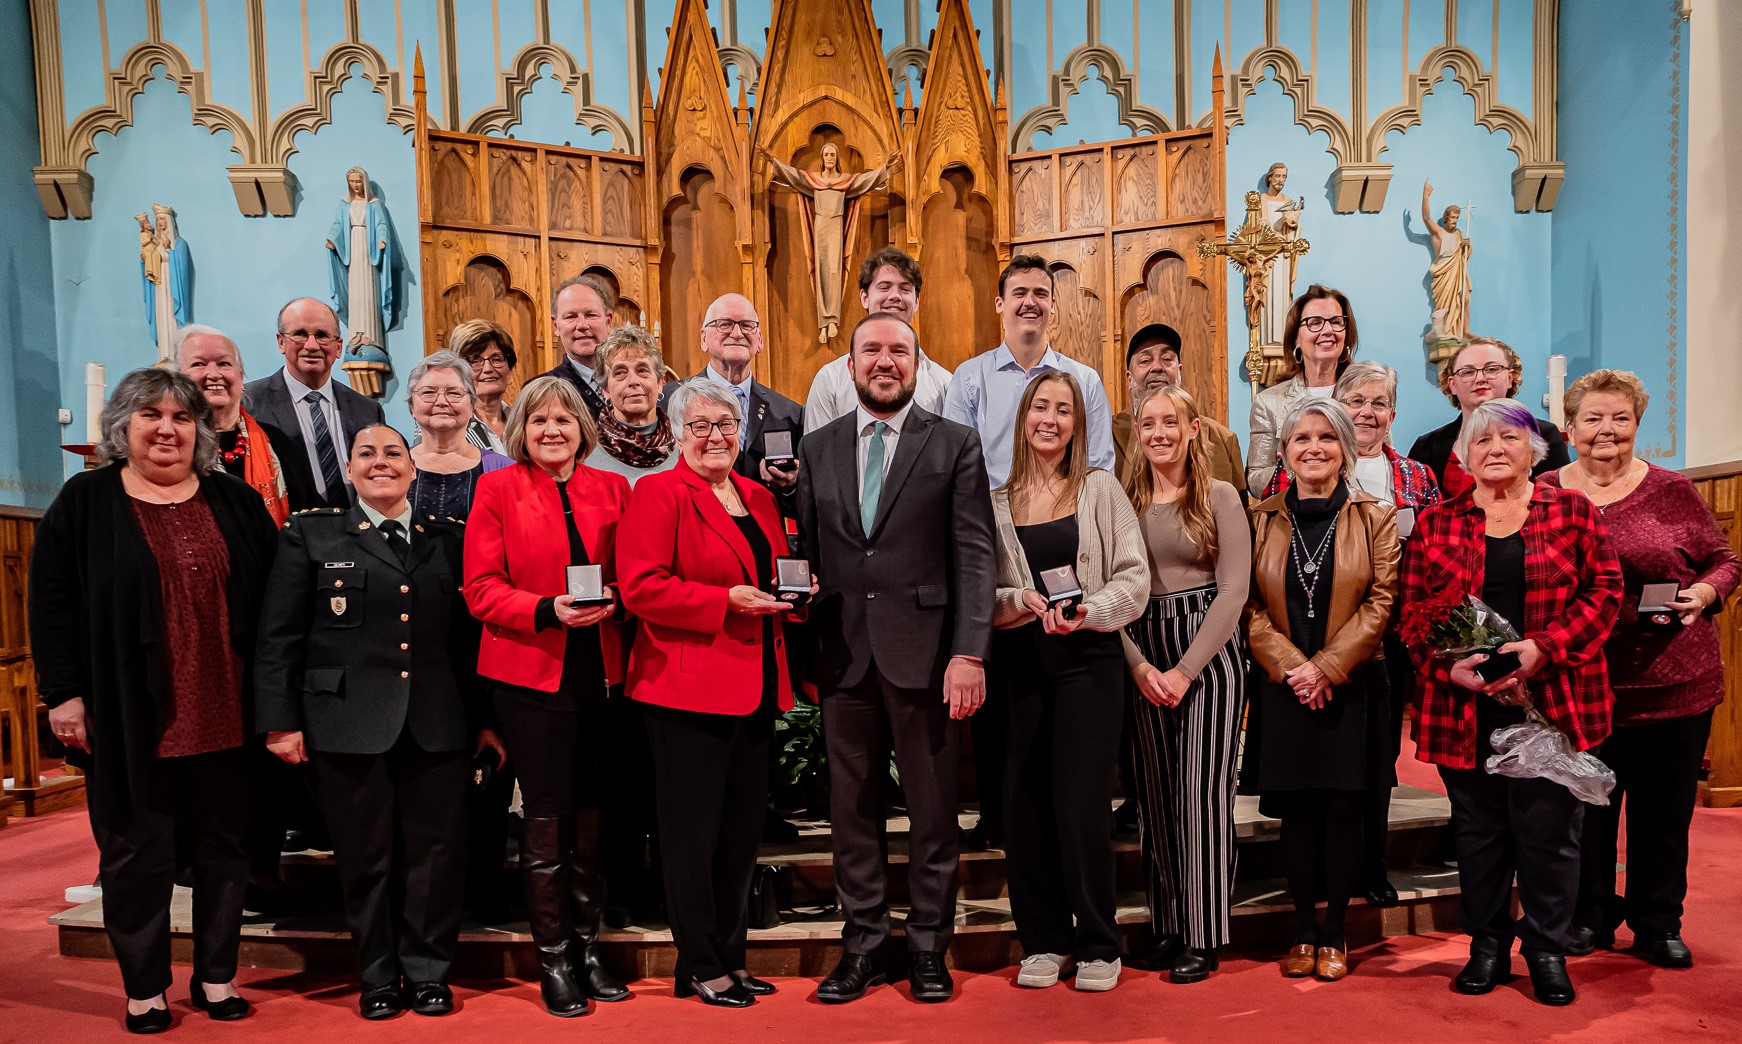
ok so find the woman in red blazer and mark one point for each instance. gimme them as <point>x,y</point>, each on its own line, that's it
<point>549,662</point>
<point>695,557</point>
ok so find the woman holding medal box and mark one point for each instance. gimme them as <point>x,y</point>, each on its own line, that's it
<point>1071,574</point>
<point>697,560</point>
<point>1663,666</point>
<point>551,657</point>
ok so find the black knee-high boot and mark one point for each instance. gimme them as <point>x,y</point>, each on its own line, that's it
<point>546,859</point>
<point>587,887</point>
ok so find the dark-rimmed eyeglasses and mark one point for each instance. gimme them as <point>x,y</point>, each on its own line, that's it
<point>701,429</point>
<point>1490,371</point>
<point>1315,323</point>
<point>726,326</point>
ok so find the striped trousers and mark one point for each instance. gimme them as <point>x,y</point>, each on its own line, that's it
<point>1185,759</point>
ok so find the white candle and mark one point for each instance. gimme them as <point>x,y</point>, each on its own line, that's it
<point>94,377</point>
<point>1557,390</point>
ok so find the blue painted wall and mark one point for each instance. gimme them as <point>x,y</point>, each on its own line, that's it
<point>1620,227</point>
<point>29,435</point>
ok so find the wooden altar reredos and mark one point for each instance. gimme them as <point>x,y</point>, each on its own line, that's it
<point>694,216</point>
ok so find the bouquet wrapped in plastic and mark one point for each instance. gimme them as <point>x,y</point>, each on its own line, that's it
<point>1455,626</point>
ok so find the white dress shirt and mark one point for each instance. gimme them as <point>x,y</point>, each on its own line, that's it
<point>987,391</point>
<point>376,518</point>
<point>329,409</point>
<point>891,437</point>
<point>833,395</point>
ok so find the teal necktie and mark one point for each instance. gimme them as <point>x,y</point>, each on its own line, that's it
<point>871,487</point>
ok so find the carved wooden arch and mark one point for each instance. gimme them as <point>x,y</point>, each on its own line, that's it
<point>516,83</point>
<point>911,56</point>
<point>745,61</point>
<point>127,81</point>
<point>1297,83</point>
<point>1139,284</point>
<point>1121,84</point>
<point>887,138</point>
<point>1477,83</point>
<point>696,123</point>
<point>326,80</point>
<point>956,121</point>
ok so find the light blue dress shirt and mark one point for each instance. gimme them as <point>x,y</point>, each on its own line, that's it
<point>987,390</point>
<point>742,389</point>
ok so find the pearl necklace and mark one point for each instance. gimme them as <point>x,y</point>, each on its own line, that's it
<point>1307,571</point>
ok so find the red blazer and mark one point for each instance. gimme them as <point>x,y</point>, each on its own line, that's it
<point>677,554</point>
<point>517,553</point>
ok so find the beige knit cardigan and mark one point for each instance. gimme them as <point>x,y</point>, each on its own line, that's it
<point>1112,561</point>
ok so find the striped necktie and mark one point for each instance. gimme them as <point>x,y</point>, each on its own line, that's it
<point>331,474</point>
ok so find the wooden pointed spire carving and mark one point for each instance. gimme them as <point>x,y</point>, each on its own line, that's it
<point>829,69</point>
<point>956,119</point>
<point>695,121</point>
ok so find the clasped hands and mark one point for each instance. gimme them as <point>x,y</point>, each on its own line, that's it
<point>1531,659</point>
<point>1163,688</point>
<point>1311,687</point>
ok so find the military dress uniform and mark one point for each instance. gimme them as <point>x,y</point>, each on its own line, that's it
<point>367,648</point>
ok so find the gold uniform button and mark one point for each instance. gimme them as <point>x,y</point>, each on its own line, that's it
<point>405,674</point>
<point>404,589</point>
<point>338,583</point>
<point>404,617</point>
<point>403,646</point>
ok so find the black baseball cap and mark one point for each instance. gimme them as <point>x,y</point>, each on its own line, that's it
<point>1150,334</point>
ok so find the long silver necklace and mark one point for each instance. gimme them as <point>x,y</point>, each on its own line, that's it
<point>1306,564</point>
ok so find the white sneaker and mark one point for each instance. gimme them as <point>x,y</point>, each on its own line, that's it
<point>1098,976</point>
<point>1040,970</point>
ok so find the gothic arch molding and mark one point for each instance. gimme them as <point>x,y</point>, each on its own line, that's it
<point>1121,84</point>
<point>1478,83</point>
<point>326,80</point>
<point>516,83</point>
<point>125,83</point>
<point>1298,84</point>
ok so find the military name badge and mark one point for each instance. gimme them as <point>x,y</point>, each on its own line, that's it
<point>338,604</point>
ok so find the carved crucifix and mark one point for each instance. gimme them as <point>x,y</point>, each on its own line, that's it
<point>1253,248</point>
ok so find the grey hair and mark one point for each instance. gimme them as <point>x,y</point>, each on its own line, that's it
<point>704,390</point>
<point>1365,372</point>
<point>147,387</point>
<point>1336,416</point>
<point>442,360</point>
<point>182,333</point>
<point>627,338</point>
<point>1496,413</point>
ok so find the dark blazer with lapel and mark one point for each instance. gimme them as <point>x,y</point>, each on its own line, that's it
<point>1435,448</point>
<point>269,401</point>
<point>566,370</point>
<point>919,589</point>
<point>355,646</point>
<point>769,411</point>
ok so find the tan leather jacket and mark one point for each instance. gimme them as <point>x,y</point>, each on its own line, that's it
<point>1363,588</point>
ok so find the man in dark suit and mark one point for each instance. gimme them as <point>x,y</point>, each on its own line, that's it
<point>897,521</point>
<point>582,312</point>
<point>732,338</point>
<point>367,670</point>
<point>1485,368</point>
<point>312,438</point>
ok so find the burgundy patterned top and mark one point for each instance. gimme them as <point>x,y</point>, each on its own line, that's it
<point>205,674</point>
<point>1663,531</point>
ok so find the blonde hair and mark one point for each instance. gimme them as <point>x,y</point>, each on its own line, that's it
<point>1616,382</point>
<point>1513,363</point>
<point>539,393</point>
<point>1197,517</point>
<point>628,339</point>
<point>1024,464</point>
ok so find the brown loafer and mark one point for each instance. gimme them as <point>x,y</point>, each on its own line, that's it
<point>1332,964</point>
<point>1299,962</point>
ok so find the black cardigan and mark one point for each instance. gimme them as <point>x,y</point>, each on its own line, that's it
<point>1435,448</point>
<point>96,620</point>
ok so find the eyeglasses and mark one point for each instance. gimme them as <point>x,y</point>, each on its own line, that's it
<point>428,395</point>
<point>1490,371</point>
<point>700,429</point>
<point>1315,323</point>
<point>726,326</point>
<point>1355,403</point>
<point>317,336</point>
<point>489,360</point>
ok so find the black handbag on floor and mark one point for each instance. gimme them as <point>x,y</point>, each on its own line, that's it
<point>767,894</point>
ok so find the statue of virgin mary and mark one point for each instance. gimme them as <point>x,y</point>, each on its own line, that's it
<point>360,274</point>
<point>166,271</point>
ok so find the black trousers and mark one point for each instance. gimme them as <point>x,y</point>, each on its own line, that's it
<point>1657,769</point>
<point>861,725</point>
<point>712,785</point>
<point>1067,708</point>
<point>560,756</point>
<point>137,865</point>
<point>1505,828</point>
<point>278,800</point>
<point>1376,815</point>
<point>398,821</point>
<point>628,823</point>
<point>990,727</point>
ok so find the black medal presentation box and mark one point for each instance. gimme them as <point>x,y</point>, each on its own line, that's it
<point>587,585</point>
<point>792,581</point>
<point>1655,611</point>
<point>777,451</point>
<point>1061,589</point>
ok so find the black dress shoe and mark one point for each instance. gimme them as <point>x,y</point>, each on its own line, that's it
<point>380,1002</point>
<point>733,996</point>
<point>430,998</point>
<point>1548,979</point>
<point>1483,972</point>
<point>856,973</point>
<point>1380,892</point>
<point>227,1010</point>
<point>1194,965</point>
<point>752,985</point>
<point>599,983</point>
<point>1160,955</point>
<point>1582,942</point>
<point>1666,951</point>
<point>156,1020</point>
<point>929,978</point>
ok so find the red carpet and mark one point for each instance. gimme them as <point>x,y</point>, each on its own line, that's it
<point>1398,991</point>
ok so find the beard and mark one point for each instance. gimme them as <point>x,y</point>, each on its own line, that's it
<point>891,402</point>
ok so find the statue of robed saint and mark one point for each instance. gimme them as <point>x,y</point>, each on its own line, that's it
<point>831,215</point>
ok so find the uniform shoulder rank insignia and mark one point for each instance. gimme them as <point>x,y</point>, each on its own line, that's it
<point>318,511</point>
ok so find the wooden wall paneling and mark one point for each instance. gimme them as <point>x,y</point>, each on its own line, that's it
<point>29,795</point>
<point>1194,178</point>
<point>1136,193</point>
<point>957,317</point>
<point>512,200</point>
<point>1035,210</point>
<point>698,262</point>
<point>1161,280</point>
<point>1721,486</point>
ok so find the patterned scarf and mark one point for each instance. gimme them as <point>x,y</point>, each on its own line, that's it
<point>260,469</point>
<point>638,449</point>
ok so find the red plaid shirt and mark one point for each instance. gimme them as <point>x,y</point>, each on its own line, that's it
<point>1572,593</point>
<point>1412,482</point>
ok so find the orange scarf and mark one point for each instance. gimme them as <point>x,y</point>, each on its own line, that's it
<point>260,470</point>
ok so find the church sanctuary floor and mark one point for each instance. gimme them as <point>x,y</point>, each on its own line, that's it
<point>807,941</point>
